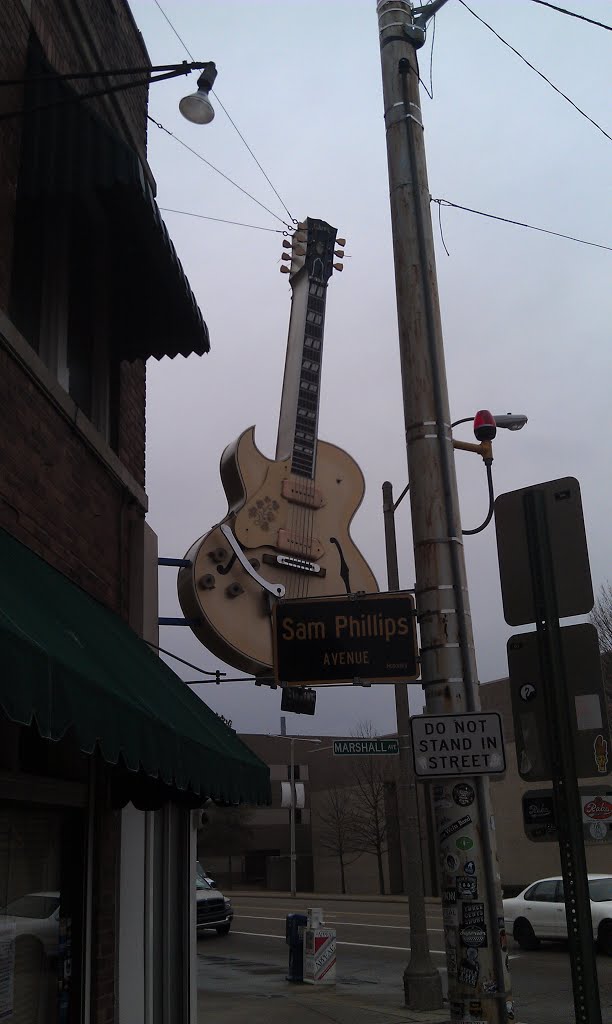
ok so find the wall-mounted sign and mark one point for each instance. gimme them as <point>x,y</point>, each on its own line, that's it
<point>344,639</point>
<point>449,745</point>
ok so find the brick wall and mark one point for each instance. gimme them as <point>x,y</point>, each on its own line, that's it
<point>131,434</point>
<point>55,494</point>
<point>13,43</point>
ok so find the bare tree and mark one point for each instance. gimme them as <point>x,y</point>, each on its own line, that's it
<point>369,775</point>
<point>601,617</point>
<point>226,832</point>
<point>338,833</point>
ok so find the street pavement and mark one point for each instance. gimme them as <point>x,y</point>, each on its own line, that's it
<point>242,977</point>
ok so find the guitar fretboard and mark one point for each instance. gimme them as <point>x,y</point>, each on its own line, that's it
<point>304,452</point>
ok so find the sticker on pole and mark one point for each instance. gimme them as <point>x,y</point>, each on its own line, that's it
<point>451,745</point>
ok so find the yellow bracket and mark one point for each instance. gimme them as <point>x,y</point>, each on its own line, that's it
<point>484,449</point>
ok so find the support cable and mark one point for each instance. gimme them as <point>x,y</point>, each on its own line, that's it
<point>226,112</point>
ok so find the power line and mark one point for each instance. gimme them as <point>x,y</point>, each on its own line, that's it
<point>226,112</point>
<point>519,223</point>
<point>221,220</point>
<point>529,65</point>
<point>572,14</point>
<point>181,41</point>
<point>158,124</point>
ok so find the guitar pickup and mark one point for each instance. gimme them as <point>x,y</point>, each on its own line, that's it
<point>302,492</point>
<point>308,548</point>
<point>297,564</point>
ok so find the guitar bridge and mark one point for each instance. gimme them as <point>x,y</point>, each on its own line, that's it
<point>297,564</point>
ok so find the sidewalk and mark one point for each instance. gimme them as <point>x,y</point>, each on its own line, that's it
<point>287,1003</point>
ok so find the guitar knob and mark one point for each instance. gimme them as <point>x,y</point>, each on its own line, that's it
<point>206,582</point>
<point>255,563</point>
<point>218,554</point>
<point>234,590</point>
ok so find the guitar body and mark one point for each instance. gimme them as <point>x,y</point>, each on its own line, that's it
<point>274,516</point>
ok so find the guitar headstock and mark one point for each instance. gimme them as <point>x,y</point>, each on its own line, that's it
<point>312,248</point>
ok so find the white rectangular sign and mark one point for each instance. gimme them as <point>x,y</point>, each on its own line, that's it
<point>450,745</point>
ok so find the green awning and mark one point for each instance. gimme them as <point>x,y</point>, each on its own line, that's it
<point>68,663</point>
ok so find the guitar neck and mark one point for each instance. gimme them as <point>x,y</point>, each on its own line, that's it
<point>299,415</point>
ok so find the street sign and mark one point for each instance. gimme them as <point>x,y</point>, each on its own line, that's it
<point>573,587</point>
<point>540,819</point>
<point>450,745</point>
<point>366,746</point>
<point>345,639</point>
<point>587,705</point>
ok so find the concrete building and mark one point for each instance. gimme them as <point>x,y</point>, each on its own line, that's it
<point>104,753</point>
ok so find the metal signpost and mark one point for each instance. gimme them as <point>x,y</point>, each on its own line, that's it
<point>545,522</point>
<point>369,638</point>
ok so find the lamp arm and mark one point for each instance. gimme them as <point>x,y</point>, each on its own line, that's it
<point>184,68</point>
<point>179,69</point>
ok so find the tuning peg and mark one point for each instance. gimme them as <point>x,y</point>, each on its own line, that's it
<point>338,266</point>
<point>286,256</point>
<point>341,241</point>
<point>339,252</point>
<point>285,270</point>
<point>286,243</point>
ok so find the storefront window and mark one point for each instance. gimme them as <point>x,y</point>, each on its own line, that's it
<point>40,915</point>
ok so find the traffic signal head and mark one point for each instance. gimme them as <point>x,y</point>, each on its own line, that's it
<point>299,699</point>
<point>485,427</point>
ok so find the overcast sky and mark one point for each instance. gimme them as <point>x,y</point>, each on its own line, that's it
<point>526,316</point>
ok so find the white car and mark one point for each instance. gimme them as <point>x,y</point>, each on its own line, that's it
<point>538,912</point>
<point>34,914</point>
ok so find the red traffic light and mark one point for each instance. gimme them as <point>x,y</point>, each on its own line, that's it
<point>485,427</point>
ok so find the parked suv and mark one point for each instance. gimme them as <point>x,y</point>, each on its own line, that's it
<point>213,910</point>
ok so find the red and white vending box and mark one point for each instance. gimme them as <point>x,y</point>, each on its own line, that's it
<point>319,950</point>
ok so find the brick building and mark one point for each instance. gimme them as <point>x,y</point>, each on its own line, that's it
<point>104,753</point>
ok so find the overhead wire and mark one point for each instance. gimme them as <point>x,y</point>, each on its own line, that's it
<point>533,68</point>
<point>227,114</point>
<point>572,14</point>
<point>222,220</point>
<point>158,124</point>
<point>519,223</point>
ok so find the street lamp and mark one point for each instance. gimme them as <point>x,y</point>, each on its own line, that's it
<point>197,108</point>
<point>292,740</point>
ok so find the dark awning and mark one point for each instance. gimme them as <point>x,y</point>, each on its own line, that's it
<point>69,151</point>
<point>68,663</point>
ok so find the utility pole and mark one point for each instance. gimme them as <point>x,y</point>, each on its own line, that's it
<point>422,981</point>
<point>478,978</point>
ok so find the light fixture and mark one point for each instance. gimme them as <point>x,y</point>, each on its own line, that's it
<point>197,107</point>
<point>511,421</point>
